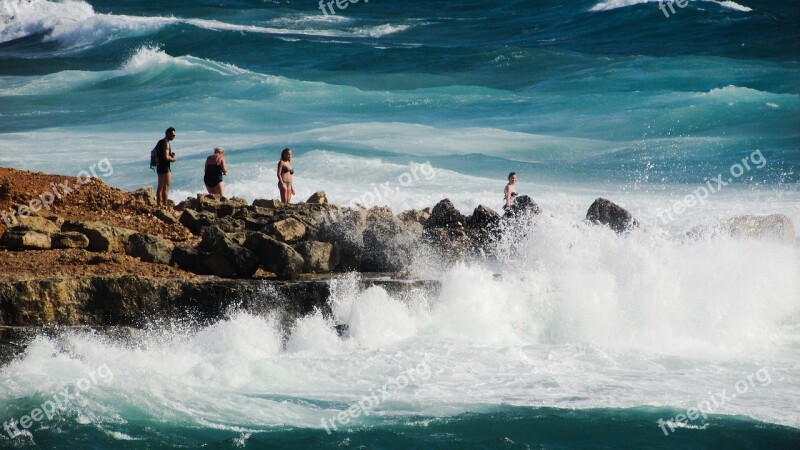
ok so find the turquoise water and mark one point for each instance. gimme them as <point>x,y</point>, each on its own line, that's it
<point>588,339</point>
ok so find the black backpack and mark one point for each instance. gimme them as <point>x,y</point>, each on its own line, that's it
<point>154,160</point>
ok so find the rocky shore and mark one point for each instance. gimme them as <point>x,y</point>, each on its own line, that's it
<point>103,257</point>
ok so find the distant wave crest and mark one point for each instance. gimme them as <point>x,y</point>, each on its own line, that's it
<point>608,5</point>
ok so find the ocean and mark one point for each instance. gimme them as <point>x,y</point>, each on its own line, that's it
<point>574,338</point>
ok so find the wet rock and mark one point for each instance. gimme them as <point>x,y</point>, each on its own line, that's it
<point>102,237</point>
<point>148,248</point>
<point>276,256</point>
<point>523,205</point>
<point>388,246</point>
<point>775,227</point>
<point>415,216</point>
<point>242,261</point>
<point>451,244</point>
<point>606,212</point>
<point>347,235</point>
<point>318,256</point>
<point>20,238</point>
<point>444,215</point>
<point>69,239</point>
<point>318,198</point>
<point>483,218</point>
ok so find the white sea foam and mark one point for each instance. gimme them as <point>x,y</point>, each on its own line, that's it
<point>616,4</point>
<point>75,24</point>
<point>579,318</point>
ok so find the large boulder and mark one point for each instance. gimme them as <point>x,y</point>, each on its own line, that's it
<point>148,248</point>
<point>166,216</point>
<point>20,238</point>
<point>242,260</point>
<point>318,198</point>
<point>288,230</point>
<point>191,259</point>
<point>196,221</point>
<point>606,212</point>
<point>413,216</point>
<point>275,256</point>
<point>444,215</point>
<point>213,203</point>
<point>451,244</point>
<point>102,237</point>
<point>388,246</point>
<point>523,205</point>
<point>69,239</point>
<point>317,256</point>
<point>347,235</point>
<point>483,218</point>
<point>37,223</point>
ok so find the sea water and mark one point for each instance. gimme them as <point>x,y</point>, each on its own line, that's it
<point>574,336</point>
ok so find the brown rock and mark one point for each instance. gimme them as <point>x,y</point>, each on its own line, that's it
<point>270,204</point>
<point>318,198</point>
<point>606,212</point>
<point>102,237</point>
<point>318,256</point>
<point>37,223</point>
<point>26,239</point>
<point>69,239</point>
<point>287,230</point>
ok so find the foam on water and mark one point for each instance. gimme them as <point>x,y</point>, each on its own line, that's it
<point>616,4</point>
<point>579,318</point>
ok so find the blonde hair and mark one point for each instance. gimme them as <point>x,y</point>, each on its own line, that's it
<point>219,150</point>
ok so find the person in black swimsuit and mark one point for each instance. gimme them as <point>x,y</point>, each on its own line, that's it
<point>511,190</point>
<point>215,170</point>
<point>285,176</point>
<point>163,169</point>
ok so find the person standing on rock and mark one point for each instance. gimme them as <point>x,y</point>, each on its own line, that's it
<point>214,171</point>
<point>163,169</point>
<point>511,191</point>
<point>285,176</point>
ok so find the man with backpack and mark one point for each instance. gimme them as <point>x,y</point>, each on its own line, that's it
<point>160,157</point>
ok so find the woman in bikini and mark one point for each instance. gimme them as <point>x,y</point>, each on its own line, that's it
<point>511,190</point>
<point>215,170</point>
<point>285,173</point>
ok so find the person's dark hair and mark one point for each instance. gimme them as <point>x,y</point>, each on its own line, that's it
<point>511,175</point>
<point>284,153</point>
<point>169,130</point>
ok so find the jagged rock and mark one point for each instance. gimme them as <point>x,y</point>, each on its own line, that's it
<point>268,203</point>
<point>523,205</point>
<point>276,256</point>
<point>413,216</point>
<point>444,215</point>
<point>148,248</point>
<point>20,238</point>
<point>378,213</point>
<point>36,223</point>
<point>318,256</point>
<point>347,236</point>
<point>145,195</point>
<point>213,203</point>
<point>190,259</point>
<point>450,243</point>
<point>288,230</point>
<point>167,217</point>
<point>606,212</point>
<point>483,218</point>
<point>243,262</point>
<point>388,247</point>
<point>318,198</point>
<point>195,221</point>
<point>102,237</point>
<point>69,239</point>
